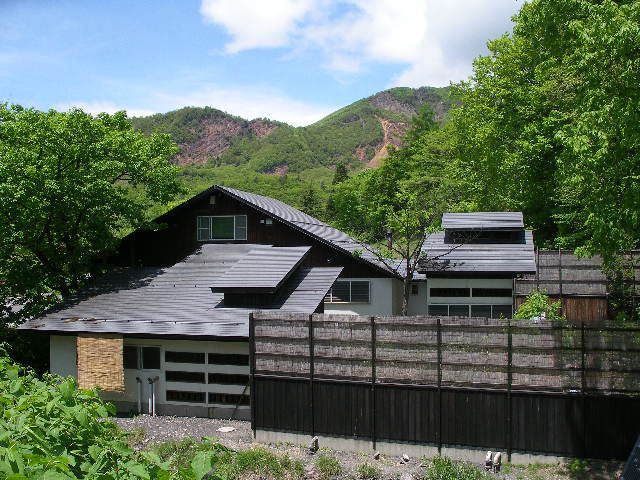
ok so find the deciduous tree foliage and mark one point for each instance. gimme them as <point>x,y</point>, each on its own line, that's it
<point>550,124</point>
<point>69,183</point>
<point>404,199</point>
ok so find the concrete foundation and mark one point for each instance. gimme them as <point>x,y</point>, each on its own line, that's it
<point>470,454</point>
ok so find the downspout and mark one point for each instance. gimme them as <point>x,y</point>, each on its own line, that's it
<point>152,396</point>
<point>139,382</point>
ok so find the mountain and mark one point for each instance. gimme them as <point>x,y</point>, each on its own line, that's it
<point>357,134</point>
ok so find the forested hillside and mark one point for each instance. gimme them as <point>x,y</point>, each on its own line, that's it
<point>293,164</point>
<point>355,135</point>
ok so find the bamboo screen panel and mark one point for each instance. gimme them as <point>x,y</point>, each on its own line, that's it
<point>100,362</point>
<point>449,351</point>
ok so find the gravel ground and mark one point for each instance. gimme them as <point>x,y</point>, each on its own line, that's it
<point>151,430</point>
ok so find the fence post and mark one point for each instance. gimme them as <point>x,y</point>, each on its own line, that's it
<point>373,382</point>
<point>583,388</point>
<point>509,383</point>
<point>439,353</point>
<point>311,375</point>
<point>560,280</point>
<point>252,371</point>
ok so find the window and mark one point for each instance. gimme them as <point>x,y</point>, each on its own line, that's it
<point>184,357</point>
<point>222,227</point>
<point>228,398</point>
<point>349,291</point>
<point>502,311</point>
<point>130,357</point>
<point>487,311</point>
<point>136,357</point>
<point>228,359</point>
<point>439,310</point>
<point>480,310</point>
<point>150,358</point>
<point>187,377</point>
<point>415,289</point>
<point>227,379</point>
<point>459,310</point>
<point>491,292</point>
<point>450,292</point>
<point>187,397</point>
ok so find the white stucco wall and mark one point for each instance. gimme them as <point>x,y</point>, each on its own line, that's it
<point>418,303</point>
<point>62,355</point>
<point>131,384</point>
<point>383,299</point>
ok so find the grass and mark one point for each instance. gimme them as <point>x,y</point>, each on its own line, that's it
<point>366,471</point>
<point>231,464</point>
<point>328,467</point>
<point>443,468</point>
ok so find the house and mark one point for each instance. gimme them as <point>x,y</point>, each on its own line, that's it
<point>167,330</point>
<point>469,268</point>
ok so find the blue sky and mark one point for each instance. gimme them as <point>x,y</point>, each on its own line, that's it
<point>289,60</point>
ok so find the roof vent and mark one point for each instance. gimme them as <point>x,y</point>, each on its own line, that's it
<point>212,200</point>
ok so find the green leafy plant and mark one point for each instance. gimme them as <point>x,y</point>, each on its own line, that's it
<point>538,305</point>
<point>51,429</point>
<point>367,471</point>
<point>328,467</point>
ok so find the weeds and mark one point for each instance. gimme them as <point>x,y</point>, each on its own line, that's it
<point>366,471</point>
<point>443,468</point>
<point>328,467</point>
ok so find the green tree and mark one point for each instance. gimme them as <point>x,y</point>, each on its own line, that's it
<point>70,185</point>
<point>549,124</point>
<point>341,173</point>
<point>403,199</point>
<point>311,202</point>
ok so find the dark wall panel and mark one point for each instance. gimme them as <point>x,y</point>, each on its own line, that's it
<point>342,409</point>
<point>474,418</point>
<point>407,414</point>
<point>282,404</point>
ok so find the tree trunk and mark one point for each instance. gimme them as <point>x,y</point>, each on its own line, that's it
<point>406,288</point>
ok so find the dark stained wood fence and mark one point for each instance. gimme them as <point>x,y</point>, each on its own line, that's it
<point>475,382</point>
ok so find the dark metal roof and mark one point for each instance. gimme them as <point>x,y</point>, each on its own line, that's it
<point>499,258</point>
<point>310,226</point>
<point>262,269</point>
<point>178,300</point>
<point>482,221</point>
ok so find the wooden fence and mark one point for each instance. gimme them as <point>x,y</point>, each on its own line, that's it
<point>475,382</point>
<point>579,283</point>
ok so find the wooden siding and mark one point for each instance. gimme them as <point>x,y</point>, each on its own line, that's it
<point>178,238</point>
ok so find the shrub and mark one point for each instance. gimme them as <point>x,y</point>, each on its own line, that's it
<point>328,467</point>
<point>51,429</point>
<point>443,468</point>
<point>366,471</point>
<point>537,305</point>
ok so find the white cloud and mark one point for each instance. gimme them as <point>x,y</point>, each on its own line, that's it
<point>248,103</point>
<point>254,24</point>
<point>433,42</point>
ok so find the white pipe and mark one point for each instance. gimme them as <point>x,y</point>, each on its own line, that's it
<point>153,395</point>
<point>150,411</point>
<point>139,395</point>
